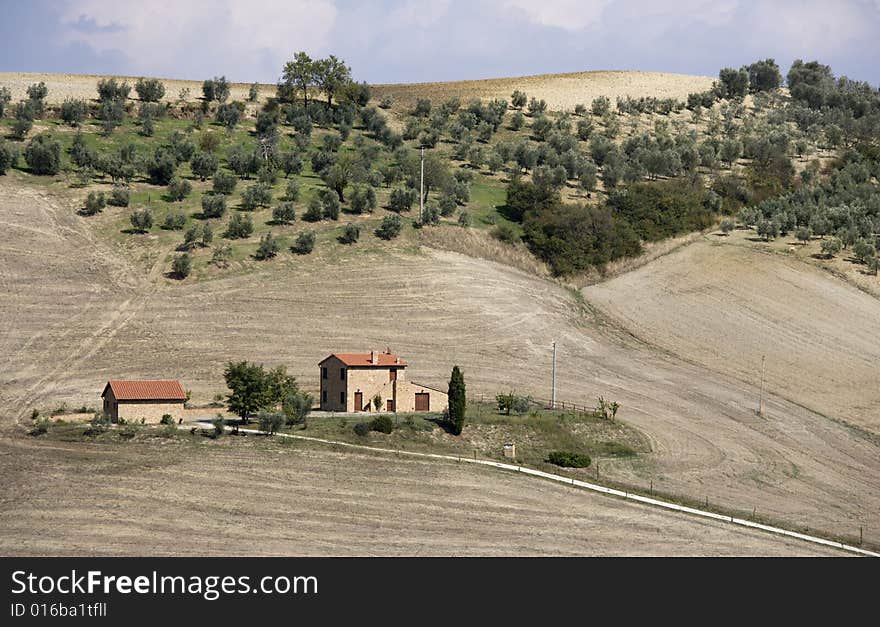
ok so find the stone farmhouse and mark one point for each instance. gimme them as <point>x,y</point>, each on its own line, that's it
<point>350,381</point>
<point>150,400</point>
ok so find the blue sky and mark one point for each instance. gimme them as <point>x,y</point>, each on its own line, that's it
<point>409,41</point>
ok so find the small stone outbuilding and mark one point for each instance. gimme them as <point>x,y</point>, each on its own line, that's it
<point>147,400</point>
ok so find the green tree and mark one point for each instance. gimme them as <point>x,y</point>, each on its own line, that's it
<point>350,234</point>
<point>296,407</point>
<point>764,76</point>
<point>8,156</point>
<point>518,99</point>
<point>141,220</point>
<point>249,389</point>
<point>224,183</point>
<point>73,111</point>
<point>300,74</point>
<point>204,165</point>
<point>390,227</point>
<point>285,213</point>
<point>457,401</point>
<point>331,75</point>
<point>304,243</point>
<point>240,227</point>
<point>43,154</point>
<point>150,89</point>
<point>268,247</point>
<point>181,266</point>
<point>831,247</point>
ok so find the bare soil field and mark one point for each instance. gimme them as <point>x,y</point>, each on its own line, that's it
<point>76,314</point>
<point>246,496</point>
<point>725,305</point>
<point>561,91</point>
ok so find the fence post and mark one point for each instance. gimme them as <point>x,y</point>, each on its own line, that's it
<point>861,536</point>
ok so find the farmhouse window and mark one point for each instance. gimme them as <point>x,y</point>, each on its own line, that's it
<point>342,374</point>
<point>342,397</point>
<point>323,373</point>
<point>323,396</point>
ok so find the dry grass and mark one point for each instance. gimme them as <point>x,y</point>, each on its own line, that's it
<point>560,91</point>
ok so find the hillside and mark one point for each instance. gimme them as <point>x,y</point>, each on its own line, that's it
<point>98,316</point>
<point>725,306</point>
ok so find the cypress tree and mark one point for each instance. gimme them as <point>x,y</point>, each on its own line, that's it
<point>456,401</point>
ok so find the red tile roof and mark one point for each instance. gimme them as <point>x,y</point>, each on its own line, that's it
<point>156,390</point>
<point>363,359</point>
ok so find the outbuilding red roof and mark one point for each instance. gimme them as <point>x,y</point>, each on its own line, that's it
<point>153,390</point>
<point>366,359</point>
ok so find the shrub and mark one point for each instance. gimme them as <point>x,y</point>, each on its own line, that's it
<point>219,425</point>
<point>141,220</point>
<point>304,243</point>
<point>120,196</point>
<point>315,211</point>
<point>330,202</point>
<point>204,164</point>
<point>402,199</point>
<point>213,206</point>
<point>224,182</point>
<point>73,112</point>
<point>41,426</point>
<point>150,89</point>
<point>43,155</point>
<point>350,234</point>
<point>382,424</point>
<point>110,89</point>
<point>229,114</point>
<point>8,156</point>
<point>270,421</point>
<point>161,167</point>
<point>268,247</point>
<point>181,266</point>
<point>239,227</point>
<point>167,419</point>
<point>291,192</point>
<point>257,195</point>
<point>216,88</point>
<point>504,232</point>
<point>285,213</point>
<point>222,255</point>
<point>390,227</point>
<point>178,189</point>
<point>5,98</point>
<point>95,203</point>
<point>174,222</point>
<point>362,429</point>
<point>363,199</point>
<point>464,219</point>
<point>567,459</point>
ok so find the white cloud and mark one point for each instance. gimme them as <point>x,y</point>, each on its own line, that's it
<point>170,37</point>
<point>570,15</point>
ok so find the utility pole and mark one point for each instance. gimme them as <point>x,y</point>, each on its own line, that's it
<point>422,189</point>
<point>553,380</point>
<point>761,397</point>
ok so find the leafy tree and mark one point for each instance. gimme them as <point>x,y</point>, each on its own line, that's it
<point>363,199</point>
<point>767,229</point>
<point>224,183</point>
<point>300,73</point>
<point>243,161</point>
<point>150,89</point>
<point>350,234</point>
<point>537,107</point>
<point>240,227</point>
<point>181,266</point>
<point>731,150</point>
<point>109,89</point>
<point>213,206</point>
<point>162,166</point>
<point>249,389</point>
<point>257,195</point>
<point>285,213</point>
<point>804,234</point>
<point>863,250</point>
<point>204,165</point>
<point>457,401</point>
<point>402,199</point>
<point>254,92</point>
<point>268,247</point>
<point>221,255</point>
<point>831,247</point>
<point>8,156</point>
<point>291,192</point>
<point>390,227</point>
<point>304,243</point>
<point>73,112</point>
<point>764,76</point>
<point>733,83</point>
<point>216,88</point>
<point>95,203</point>
<point>141,220</point>
<point>174,221</point>
<point>291,162</point>
<point>270,421</point>
<point>43,154</point>
<point>518,99</point>
<point>727,226</point>
<point>423,108</point>
<point>178,189</point>
<point>229,114</point>
<point>347,168</point>
<point>5,99</point>
<point>315,210</point>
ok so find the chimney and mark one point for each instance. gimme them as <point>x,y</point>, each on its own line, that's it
<point>374,359</point>
<point>387,350</point>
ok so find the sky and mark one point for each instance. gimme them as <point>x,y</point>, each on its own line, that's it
<point>403,41</point>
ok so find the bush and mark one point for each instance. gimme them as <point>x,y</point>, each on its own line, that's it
<point>382,424</point>
<point>174,222</point>
<point>402,199</point>
<point>229,114</point>
<point>8,156</point>
<point>350,234</point>
<point>213,206</point>
<point>120,196</point>
<point>161,167</point>
<point>109,89</point>
<point>73,112</point>
<point>315,211</point>
<point>225,182</point>
<point>257,195</point>
<point>504,232</point>
<point>95,203</point>
<point>41,426</point>
<point>285,213</point>
<point>270,422</point>
<point>239,227</point>
<point>167,419</point>
<point>363,199</point>
<point>569,460</point>
<point>204,164</point>
<point>181,266</point>
<point>178,189</point>
<point>390,227</point>
<point>362,429</point>
<point>141,220</point>
<point>219,425</point>
<point>150,89</point>
<point>43,155</point>
<point>268,247</point>
<point>291,193</point>
<point>304,244</point>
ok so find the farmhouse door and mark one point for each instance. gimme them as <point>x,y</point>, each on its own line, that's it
<point>423,401</point>
<point>358,401</point>
<point>390,404</point>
